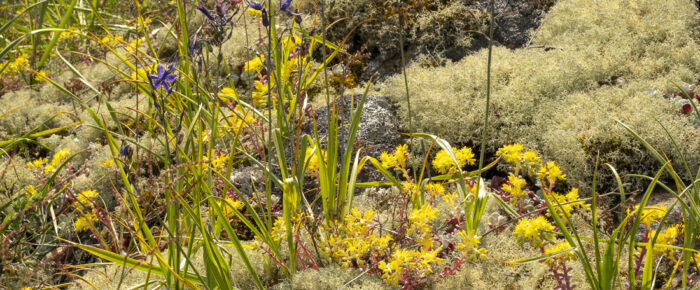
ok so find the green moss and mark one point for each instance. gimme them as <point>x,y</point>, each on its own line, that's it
<point>537,91</point>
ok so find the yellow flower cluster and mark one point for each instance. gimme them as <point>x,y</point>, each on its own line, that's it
<point>356,239</point>
<point>396,160</point>
<point>312,159</point>
<point>515,188</point>
<point>58,157</point>
<point>86,197</point>
<point>443,163</point>
<point>30,191</point>
<point>469,245</point>
<point>228,205</point>
<point>85,222</point>
<point>667,237</point>
<point>36,163</point>
<point>420,225</point>
<point>113,41</point>
<point>535,231</point>
<point>514,154</point>
<point>259,95</point>
<point>255,64</point>
<point>219,162</point>
<point>561,246</point>
<point>650,214</point>
<point>566,203</point>
<point>551,172</point>
<point>107,163</point>
<point>435,189</point>
<point>404,259</point>
<point>56,160</point>
<point>16,65</point>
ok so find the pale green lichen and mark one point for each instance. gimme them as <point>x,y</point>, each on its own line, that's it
<point>579,47</point>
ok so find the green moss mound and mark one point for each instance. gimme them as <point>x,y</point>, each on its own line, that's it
<point>557,96</point>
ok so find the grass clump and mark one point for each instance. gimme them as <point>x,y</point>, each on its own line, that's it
<point>582,52</point>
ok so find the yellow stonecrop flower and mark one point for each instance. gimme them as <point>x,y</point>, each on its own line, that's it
<point>566,203</point>
<point>551,172</point>
<point>254,13</point>
<point>255,64</point>
<point>435,189</point>
<point>561,246</point>
<point>420,225</point>
<point>515,188</point>
<point>107,163</point>
<point>355,239</point>
<point>85,222</point>
<point>36,163</point>
<point>259,95</point>
<point>397,159</point>
<point>405,259</point>
<point>511,153</point>
<point>31,191</point>
<point>452,200</point>
<point>469,246</point>
<point>219,162</point>
<point>86,197</point>
<point>113,41</point>
<point>443,163</point>
<point>15,66</point>
<point>534,231</point>
<point>56,160</point>
<point>228,205</point>
<point>668,238</point>
<point>650,214</point>
<point>312,157</point>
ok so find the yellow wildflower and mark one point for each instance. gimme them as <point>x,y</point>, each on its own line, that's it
<point>420,225</point>
<point>56,160</point>
<point>229,204</point>
<point>435,189</point>
<point>219,162</point>
<point>85,197</point>
<point>113,40</point>
<point>30,191</point>
<point>85,222</point>
<point>566,203</point>
<point>397,159</point>
<point>443,163</point>
<point>254,13</point>
<point>355,239</point>
<point>668,238</point>
<point>651,214</point>
<point>312,157</point>
<point>107,163</point>
<point>228,92</point>
<point>511,153</point>
<point>515,188</point>
<point>551,172</point>
<point>255,64</point>
<point>469,245</point>
<point>535,231</point>
<point>37,163</point>
<point>404,259</point>
<point>561,246</point>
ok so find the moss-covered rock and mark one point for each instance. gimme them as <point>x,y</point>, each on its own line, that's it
<point>557,96</point>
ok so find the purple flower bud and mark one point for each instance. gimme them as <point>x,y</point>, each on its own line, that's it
<point>265,20</point>
<point>206,12</point>
<point>686,108</point>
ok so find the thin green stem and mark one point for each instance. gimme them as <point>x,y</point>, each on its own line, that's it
<point>484,133</point>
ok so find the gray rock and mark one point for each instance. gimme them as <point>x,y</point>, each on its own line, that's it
<point>378,130</point>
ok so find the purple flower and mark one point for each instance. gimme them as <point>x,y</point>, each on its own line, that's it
<point>206,12</point>
<point>163,79</point>
<point>284,7</point>
<point>255,5</point>
<point>221,18</point>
